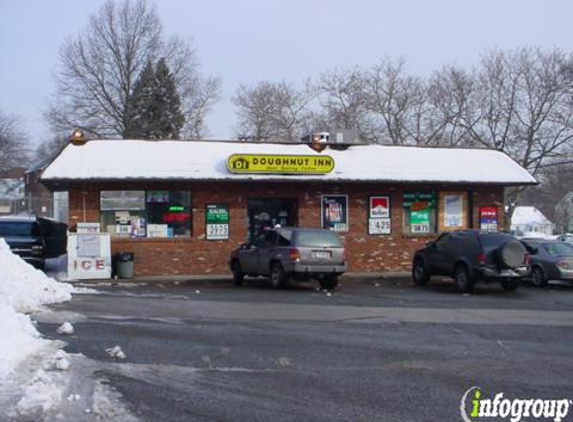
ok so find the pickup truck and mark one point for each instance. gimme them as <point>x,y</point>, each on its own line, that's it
<point>34,239</point>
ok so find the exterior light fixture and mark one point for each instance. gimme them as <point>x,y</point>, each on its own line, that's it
<point>78,137</point>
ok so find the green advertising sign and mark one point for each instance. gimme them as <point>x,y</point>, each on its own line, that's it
<point>420,221</point>
<point>217,222</point>
<point>410,198</point>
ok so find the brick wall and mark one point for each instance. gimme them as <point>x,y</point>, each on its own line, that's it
<point>196,255</point>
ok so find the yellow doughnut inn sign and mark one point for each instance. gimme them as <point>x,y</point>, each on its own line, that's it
<point>280,164</point>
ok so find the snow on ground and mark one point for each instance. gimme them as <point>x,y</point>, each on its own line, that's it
<point>23,289</point>
<point>38,380</point>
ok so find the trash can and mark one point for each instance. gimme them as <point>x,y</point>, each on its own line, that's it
<point>123,264</point>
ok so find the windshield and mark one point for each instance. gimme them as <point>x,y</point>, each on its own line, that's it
<point>558,248</point>
<point>15,229</point>
<point>318,238</point>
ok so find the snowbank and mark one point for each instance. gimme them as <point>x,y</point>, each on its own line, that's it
<point>23,289</point>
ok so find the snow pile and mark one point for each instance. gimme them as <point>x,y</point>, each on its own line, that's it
<point>41,395</point>
<point>66,328</point>
<point>116,352</point>
<point>23,289</point>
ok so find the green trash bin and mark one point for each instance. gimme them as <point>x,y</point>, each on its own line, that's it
<point>124,264</point>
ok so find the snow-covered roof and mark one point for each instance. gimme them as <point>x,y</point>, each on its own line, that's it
<point>526,215</point>
<point>207,160</point>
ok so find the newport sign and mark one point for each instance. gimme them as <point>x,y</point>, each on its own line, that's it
<point>280,164</point>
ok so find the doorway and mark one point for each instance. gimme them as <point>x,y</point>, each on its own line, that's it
<point>265,213</point>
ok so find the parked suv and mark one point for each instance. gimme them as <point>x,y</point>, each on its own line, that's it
<point>34,239</point>
<point>472,255</point>
<point>288,252</point>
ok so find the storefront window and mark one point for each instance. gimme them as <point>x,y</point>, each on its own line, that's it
<point>158,213</point>
<point>169,212</point>
<point>419,212</point>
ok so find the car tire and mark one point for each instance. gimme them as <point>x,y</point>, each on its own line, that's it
<point>463,279</point>
<point>510,285</point>
<point>420,273</point>
<point>238,275</point>
<point>329,282</point>
<point>277,276</point>
<point>538,277</point>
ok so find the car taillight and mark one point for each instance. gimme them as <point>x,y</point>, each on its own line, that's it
<point>526,259</point>
<point>481,258</point>
<point>293,254</point>
<point>566,265</point>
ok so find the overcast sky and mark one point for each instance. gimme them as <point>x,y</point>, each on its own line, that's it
<point>246,41</point>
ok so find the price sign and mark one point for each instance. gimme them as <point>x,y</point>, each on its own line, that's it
<point>379,226</point>
<point>217,222</point>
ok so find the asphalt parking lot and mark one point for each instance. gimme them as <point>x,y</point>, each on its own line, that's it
<point>375,350</point>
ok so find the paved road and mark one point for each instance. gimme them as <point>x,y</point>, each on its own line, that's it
<point>374,351</point>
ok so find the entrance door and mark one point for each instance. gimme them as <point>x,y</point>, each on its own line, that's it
<point>265,213</point>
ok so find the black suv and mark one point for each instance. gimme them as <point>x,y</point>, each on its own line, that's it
<point>472,255</point>
<point>34,239</point>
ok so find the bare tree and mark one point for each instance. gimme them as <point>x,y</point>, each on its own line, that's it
<point>14,148</point>
<point>98,68</point>
<point>270,110</point>
<point>342,103</point>
<point>525,99</point>
<point>396,100</point>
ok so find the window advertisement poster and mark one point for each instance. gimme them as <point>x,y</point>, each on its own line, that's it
<point>453,211</point>
<point>488,219</point>
<point>335,212</point>
<point>379,216</point>
<point>217,221</point>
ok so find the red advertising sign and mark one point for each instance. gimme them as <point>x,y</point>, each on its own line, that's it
<point>488,219</point>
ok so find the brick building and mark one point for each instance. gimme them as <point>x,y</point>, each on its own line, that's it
<point>183,206</point>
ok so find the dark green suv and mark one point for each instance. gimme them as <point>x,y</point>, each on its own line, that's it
<point>470,256</point>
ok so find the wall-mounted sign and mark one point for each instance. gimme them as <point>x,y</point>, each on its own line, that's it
<point>379,207</point>
<point>335,212</point>
<point>280,164</point>
<point>379,226</point>
<point>217,222</point>
<point>420,220</point>
<point>453,211</point>
<point>379,215</point>
<point>488,219</point>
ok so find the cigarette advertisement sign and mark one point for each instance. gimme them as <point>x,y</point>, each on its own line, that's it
<point>488,219</point>
<point>379,215</point>
<point>217,222</point>
<point>335,212</point>
<point>280,164</point>
<point>420,221</point>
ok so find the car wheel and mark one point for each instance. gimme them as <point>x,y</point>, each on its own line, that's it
<point>420,274</point>
<point>238,275</point>
<point>463,279</point>
<point>510,285</point>
<point>329,282</point>
<point>278,276</point>
<point>538,277</point>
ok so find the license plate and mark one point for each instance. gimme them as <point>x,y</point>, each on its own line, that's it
<point>321,255</point>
